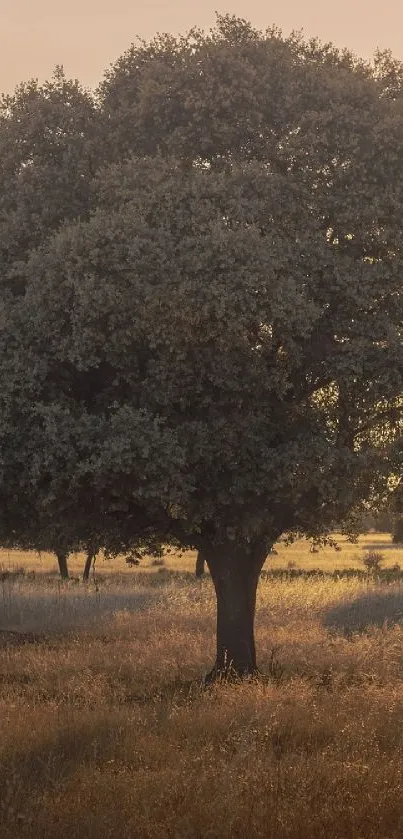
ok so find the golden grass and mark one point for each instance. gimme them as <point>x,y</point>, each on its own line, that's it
<point>349,556</point>
<point>105,732</point>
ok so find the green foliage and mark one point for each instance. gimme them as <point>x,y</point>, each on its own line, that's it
<point>373,560</point>
<point>48,155</point>
<point>208,343</point>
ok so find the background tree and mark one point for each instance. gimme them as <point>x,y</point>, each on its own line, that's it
<point>221,339</point>
<point>397,514</point>
<point>49,151</point>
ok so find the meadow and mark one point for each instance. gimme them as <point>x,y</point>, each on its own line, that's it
<point>106,730</point>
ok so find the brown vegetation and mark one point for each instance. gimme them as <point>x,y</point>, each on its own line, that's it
<point>107,732</point>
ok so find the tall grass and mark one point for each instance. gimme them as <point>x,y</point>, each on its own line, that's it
<point>105,730</point>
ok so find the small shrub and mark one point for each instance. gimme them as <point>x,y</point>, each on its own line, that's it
<point>158,562</point>
<point>373,561</point>
<point>131,560</point>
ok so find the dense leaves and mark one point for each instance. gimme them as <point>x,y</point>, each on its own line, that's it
<point>48,155</point>
<point>207,343</point>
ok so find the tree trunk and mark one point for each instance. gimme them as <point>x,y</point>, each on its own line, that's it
<point>200,564</point>
<point>397,535</point>
<point>87,566</point>
<point>62,560</point>
<point>235,570</point>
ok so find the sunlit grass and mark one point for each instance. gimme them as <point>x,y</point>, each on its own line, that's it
<point>349,555</point>
<point>105,730</point>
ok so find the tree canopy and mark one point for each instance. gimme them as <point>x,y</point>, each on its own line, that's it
<point>207,348</point>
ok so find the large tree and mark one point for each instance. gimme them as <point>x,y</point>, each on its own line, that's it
<point>218,348</point>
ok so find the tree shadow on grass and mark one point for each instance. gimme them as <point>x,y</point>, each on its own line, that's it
<point>372,610</point>
<point>13,638</point>
<point>42,766</point>
<point>33,616</point>
<point>382,546</point>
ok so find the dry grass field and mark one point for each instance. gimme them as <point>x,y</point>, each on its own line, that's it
<point>106,732</point>
<point>349,556</point>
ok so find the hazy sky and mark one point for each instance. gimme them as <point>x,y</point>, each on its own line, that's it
<point>87,35</point>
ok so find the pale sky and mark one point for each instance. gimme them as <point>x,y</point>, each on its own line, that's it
<point>87,35</point>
